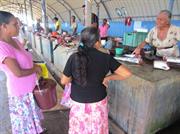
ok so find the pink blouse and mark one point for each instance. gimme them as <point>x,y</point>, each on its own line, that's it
<point>103,30</point>
<point>17,85</point>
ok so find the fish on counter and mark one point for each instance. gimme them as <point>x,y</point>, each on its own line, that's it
<point>129,58</point>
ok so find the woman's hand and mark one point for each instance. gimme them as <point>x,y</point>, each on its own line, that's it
<point>137,51</point>
<point>15,68</point>
<point>37,69</point>
<point>106,81</point>
<point>120,73</point>
<point>65,80</point>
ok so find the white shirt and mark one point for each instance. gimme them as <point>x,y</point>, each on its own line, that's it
<point>173,36</point>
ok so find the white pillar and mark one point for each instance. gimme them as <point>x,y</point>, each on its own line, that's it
<point>31,13</point>
<point>88,10</point>
<point>45,19</point>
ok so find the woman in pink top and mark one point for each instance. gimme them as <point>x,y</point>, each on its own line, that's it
<point>21,76</point>
<point>104,29</point>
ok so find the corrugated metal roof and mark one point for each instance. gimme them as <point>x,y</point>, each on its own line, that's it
<point>137,9</point>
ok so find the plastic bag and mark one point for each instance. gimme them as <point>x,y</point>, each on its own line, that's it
<point>66,99</point>
<point>44,72</point>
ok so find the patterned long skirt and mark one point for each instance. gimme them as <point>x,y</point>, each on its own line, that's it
<point>89,118</point>
<point>25,115</point>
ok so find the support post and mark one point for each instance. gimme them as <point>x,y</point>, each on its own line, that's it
<point>44,16</point>
<point>170,5</point>
<point>25,8</point>
<point>88,10</point>
<point>31,11</point>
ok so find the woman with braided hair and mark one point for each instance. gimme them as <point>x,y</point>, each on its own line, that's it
<point>87,70</point>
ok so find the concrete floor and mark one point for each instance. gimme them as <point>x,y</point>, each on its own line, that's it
<point>56,122</point>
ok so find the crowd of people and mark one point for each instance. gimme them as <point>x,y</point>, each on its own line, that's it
<point>163,37</point>
<point>89,80</point>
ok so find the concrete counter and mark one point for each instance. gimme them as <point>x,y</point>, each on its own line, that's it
<point>61,55</point>
<point>146,102</point>
<point>5,123</point>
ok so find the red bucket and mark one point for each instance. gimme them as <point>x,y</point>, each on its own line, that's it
<point>46,97</point>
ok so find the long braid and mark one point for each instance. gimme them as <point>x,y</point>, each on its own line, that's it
<point>81,62</point>
<point>89,37</point>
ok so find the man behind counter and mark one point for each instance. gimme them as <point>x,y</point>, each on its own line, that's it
<point>164,36</point>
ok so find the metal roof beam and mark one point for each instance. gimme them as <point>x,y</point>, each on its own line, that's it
<point>14,10</point>
<point>109,16</point>
<point>62,4</point>
<point>97,5</point>
<point>72,10</point>
<point>50,9</point>
<point>68,7</point>
<point>36,7</point>
<point>40,10</point>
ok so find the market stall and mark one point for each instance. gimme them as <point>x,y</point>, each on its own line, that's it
<point>144,103</point>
